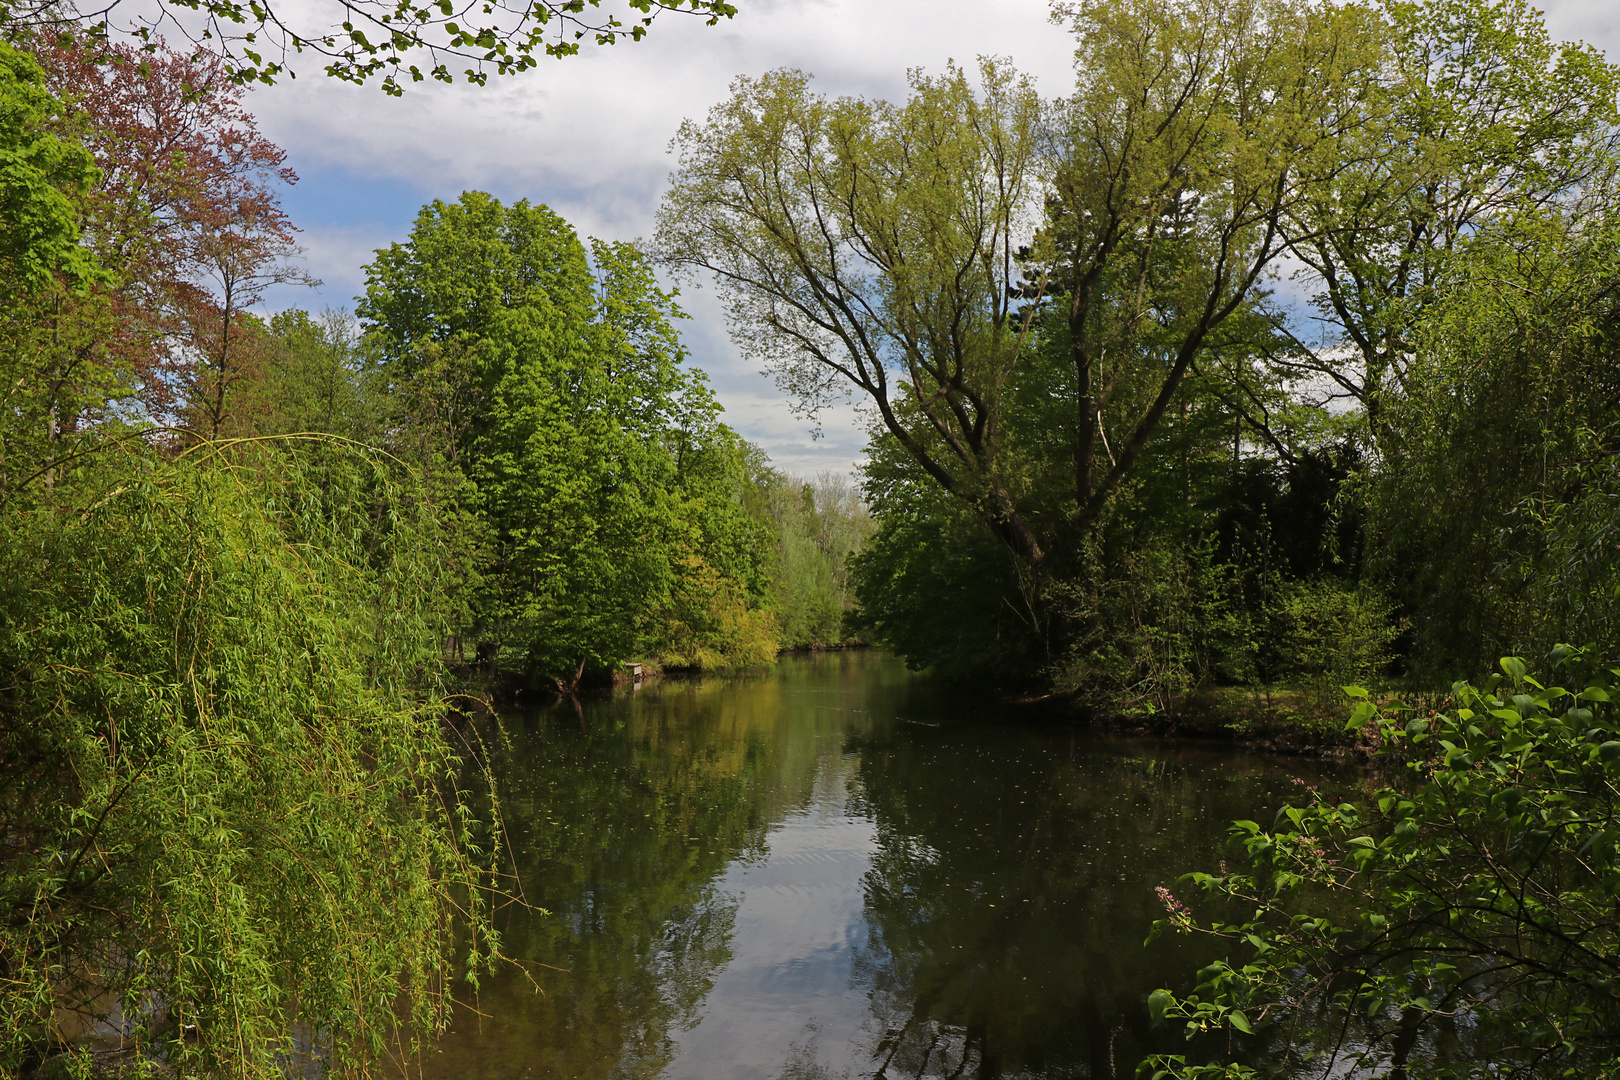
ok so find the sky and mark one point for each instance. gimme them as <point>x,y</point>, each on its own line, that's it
<point>589,137</point>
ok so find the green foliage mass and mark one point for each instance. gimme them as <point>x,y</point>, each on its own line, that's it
<point>315,381</point>
<point>232,822</point>
<point>40,175</point>
<point>820,527</point>
<point>1458,924</point>
<point>555,382</point>
<point>1078,348</point>
<point>1057,313</point>
<point>1509,406</point>
<point>931,584</point>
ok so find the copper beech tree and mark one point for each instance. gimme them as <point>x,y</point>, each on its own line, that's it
<point>187,215</point>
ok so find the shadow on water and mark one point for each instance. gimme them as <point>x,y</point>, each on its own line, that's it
<point>841,870</point>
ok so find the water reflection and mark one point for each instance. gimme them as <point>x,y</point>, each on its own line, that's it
<point>837,871</point>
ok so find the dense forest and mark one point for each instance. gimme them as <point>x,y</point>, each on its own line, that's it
<point>1282,352</point>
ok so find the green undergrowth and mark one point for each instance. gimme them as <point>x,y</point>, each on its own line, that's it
<point>1299,720</point>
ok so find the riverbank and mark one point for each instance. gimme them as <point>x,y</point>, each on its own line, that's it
<point>1287,721</point>
<point>1291,722</point>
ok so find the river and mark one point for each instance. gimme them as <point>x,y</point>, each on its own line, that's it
<point>840,869</point>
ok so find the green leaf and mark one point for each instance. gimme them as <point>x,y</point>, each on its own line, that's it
<point>1359,717</point>
<point>1240,1022</point>
<point>1158,1002</point>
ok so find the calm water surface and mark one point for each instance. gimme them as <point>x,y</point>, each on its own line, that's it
<point>842,870</point>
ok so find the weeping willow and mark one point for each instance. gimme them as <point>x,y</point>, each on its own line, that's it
<point>235,831</point>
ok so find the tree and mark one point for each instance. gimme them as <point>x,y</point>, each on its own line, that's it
<point>187,215</point>
<point>608,484</point>
<point>869,247</point>
<point>1507,402</point>
<point>1480,120</point>
<point>1191,138</point>
<point>219,669</point>
<point>1459,924</point>
<point>821,526</point>
<point>228,811</point>
<point>394,37</point>
<point>43,267</point>
<point>42,176</point>
<point>876,248</point>
<point>315,379</point>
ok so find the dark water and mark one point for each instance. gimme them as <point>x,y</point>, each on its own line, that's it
<point>836,870</point>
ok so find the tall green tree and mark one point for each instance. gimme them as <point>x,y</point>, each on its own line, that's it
<point>40,176</point>
<point>874,247</point>
<point>45,271</point>
<point>1194,134</point>
<point>599,464</point>
<point>869,246</point>
<point>1044,304</point>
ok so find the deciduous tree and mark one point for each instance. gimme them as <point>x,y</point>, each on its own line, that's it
<point>186,213</point>
<point>598,459</point>
<point>1480,119</point>
<point>874,247</point>
<point>45,272</point>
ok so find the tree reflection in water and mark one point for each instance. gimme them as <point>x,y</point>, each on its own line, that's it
<point>992,920</point>
<point>1013,889</point>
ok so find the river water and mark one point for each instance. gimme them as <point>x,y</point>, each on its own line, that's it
<point>840,869</point>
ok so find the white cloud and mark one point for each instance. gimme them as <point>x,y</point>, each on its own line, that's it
<point>591,130</point>
<point>1591,21</point>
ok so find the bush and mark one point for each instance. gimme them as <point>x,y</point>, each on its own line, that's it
<point>1460,924</point>
<point>1325,633</point>
<point>1159,622</point>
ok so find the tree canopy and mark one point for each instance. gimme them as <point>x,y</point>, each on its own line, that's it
<point>39,229</point>
<point>596,457</point>
<point>1105,338</point>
